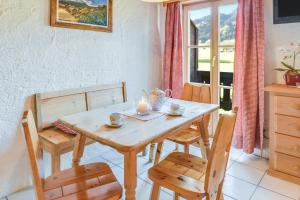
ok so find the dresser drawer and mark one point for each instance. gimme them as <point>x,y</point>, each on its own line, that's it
<point>287,125</point>
<point>287,164</point>
<point>287,144</point>
<point>288,106</point>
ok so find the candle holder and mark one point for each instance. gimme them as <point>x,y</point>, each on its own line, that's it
<point>143,107</point>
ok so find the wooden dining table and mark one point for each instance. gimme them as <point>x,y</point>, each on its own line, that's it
<point>135,134</point>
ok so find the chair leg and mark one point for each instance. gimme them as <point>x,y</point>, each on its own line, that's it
<point>176,196</point>
<point>203,149</point>
<point>187,148</point>
<point>176,147</point>
<point>155,191</point>
<point>158,152</point>
<point>55,162</point>
<point>151,154</point>
<point>220,195</point>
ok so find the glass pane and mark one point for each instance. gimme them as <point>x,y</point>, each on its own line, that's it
<point>227,19</point>
<point>227,29</point>
<point>226,98</point>
<point>200,26</point>
<point>226,65</point>
<point>200,65</point>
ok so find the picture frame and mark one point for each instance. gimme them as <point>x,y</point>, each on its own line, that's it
<point>93,15</point>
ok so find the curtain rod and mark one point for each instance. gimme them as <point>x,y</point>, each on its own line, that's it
<point>186,2</point>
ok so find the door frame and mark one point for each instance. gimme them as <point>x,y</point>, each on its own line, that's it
<point>214,48</point>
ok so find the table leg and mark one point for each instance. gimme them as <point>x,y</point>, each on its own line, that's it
<point>130,175</point>
<point>78,149</point>
<point>205,136</point>
<point>158,152</point>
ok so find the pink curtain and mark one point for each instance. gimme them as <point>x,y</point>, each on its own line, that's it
<point>249,75</point>
<point>172,71</point>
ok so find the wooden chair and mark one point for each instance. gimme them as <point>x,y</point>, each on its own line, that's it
<point>192,177</point>
<point>92,181</point>
<point>53,105</point>
<point>196,93</point>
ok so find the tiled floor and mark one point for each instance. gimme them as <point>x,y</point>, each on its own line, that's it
<point>246,177</point>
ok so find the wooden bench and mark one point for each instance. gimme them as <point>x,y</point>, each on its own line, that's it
<point>53,105</point>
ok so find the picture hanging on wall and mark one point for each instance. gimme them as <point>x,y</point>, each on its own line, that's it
<point>95,15</point>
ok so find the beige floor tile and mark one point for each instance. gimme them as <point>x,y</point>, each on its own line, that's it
<point>119,173</point>
<point>245,173</point>
<point>235,153</point>
<point>254,161</point>
<point>144,190</point>
<point>144,176</point>
<point>238,189</point>
<point>27,194</point>
<point>143,165</point>
<point>280,186</point>
<point>263,194</point>
<point>230,163</point>
<point>228,198</point>
<point>113,157</point>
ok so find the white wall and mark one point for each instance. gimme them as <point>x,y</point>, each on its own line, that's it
<point>35,57</point>
<point>277,36</point>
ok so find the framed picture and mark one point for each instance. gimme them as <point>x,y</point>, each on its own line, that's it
<point>95,15</point>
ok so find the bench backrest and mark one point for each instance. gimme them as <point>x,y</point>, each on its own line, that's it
<point>53,105</point>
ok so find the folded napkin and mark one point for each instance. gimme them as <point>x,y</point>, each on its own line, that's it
<point>152,115</point>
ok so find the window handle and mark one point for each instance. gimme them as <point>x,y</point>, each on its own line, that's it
<point>214,61</point>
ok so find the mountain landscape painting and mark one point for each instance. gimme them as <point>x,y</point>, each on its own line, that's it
<point>82,14</point>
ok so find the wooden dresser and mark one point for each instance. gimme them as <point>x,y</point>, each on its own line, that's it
<point>284,125</point>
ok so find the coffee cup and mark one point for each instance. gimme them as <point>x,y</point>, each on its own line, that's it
<point>116,118</point>
<point>175,107</point>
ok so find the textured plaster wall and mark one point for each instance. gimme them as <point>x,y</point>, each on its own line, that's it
<point>277,36</point>
<point>35,57</point>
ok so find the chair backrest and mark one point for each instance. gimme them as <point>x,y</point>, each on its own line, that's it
<point>53,105</point>
<point>34,152</point>
<point>197,93</point>
<point>219,154</point>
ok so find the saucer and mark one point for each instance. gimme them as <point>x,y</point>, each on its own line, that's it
<point>114,125</point>
<point>143,114</point>
<point>175,113</point>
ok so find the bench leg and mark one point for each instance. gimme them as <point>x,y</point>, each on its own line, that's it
<point>55,162</point>
<point>145,151</point>
<point>151,154</point>
<point>187,148</point>
<point>176,147</point>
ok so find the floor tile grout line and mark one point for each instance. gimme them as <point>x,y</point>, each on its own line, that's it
<point>230,196</point>
<point>277,193</point>
<point>250,165</point>
<point>241,179</point>
<point>257,186</point>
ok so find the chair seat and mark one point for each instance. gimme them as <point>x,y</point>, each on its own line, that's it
<point>59,138</point>
<point>93,181</point>
<point>187,136</point>
<point>181,172</point>
<point>56,136</point>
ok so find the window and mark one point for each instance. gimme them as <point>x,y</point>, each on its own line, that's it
<point>209,45</point>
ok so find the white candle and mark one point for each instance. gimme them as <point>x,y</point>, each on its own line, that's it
<point>142,106</point>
